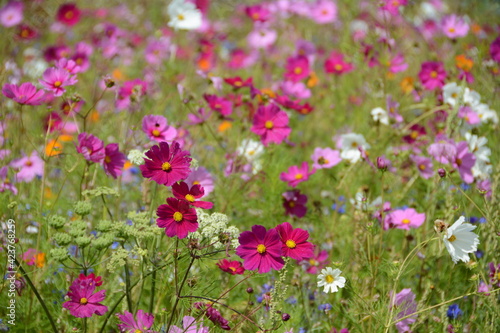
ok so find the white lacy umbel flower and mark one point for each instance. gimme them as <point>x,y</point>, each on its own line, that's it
<point>214,229</point>
<point>380,116</point>
<point>350,144</point>
<point>330,279</point>
<point>136,157</point>
<point>184,15</point>
<point>460,240</point>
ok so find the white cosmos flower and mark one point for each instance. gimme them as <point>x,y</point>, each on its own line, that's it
<point>485,113</point>
<point>184,15</point>
<point>380,115</point>
<point>350,144</point>
<point>330,279</point>
<point>460,240</point>
<point>251,149</point>
<point>452,93</point>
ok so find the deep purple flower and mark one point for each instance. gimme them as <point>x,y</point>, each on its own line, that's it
<point>166,164</point>
<point>494,273</point>
<point>495,50</point>
<point>294,203</point>
<point>91,147</point>
<point>114,160</point>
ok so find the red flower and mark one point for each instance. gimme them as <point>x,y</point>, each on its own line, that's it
<point>294,242</point>
<point>177,218</point>
<point>181,191</point>
<point>166,164</point>
<point>231,267</point>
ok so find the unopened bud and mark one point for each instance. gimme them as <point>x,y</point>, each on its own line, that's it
<point>108,81</point>
<point>382,163</point>
<point>285,317</point>
<point>442,172</point>
<point>250,290</point>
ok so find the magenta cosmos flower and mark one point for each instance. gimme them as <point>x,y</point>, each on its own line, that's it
<point>143,323</point>
<point>166,164</point>
<point>177,218</point>
<point>68,14</point>
<point>297,68</point>
<point>325,158</point>
<point>392,6</point>
<point>258,13</point>
<point>55,79</point>
<point>335,64</point>
<point>406,218</point>
<point>157,129</point>
<point>495,50</point>
<point>294,203</point>
<point>113,160</point>
<point>232,267</point>
<point>83,303</point>
<point>25,94</point>
<point>432,75</point>
<point>296,175</point>
<point>271,124</point>
<point>28,167</point>
<point>294,242</point>
<point>260,249</point>
<point>454,26</point>
<point>219,104</point>
<point>91,147</point>
<point>182,191</point>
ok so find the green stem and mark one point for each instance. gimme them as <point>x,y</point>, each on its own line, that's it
<point>178,294</point>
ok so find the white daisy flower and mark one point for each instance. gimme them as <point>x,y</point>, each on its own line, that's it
<point>460,240</point>
<point>330,279</point>
<point>251,149</point>
<point>380,116</point>
<point>184,15</point>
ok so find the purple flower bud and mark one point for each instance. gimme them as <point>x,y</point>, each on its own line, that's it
<point>285,317</point>
<point>249,290</point>
<point>382,163</point>
<point>442,172</point>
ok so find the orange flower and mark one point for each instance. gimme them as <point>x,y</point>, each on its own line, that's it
<point>118,75</point>
<point>407,85</point>
<point>265,94</point>
<point>312,80</point>
<point>40,259</point>
<point>224,126</point>
<point>53,148</point>
<point>464,63</point>
<point>94,116</point>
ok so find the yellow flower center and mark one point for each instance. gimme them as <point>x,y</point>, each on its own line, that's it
<point>180,17</point>
<point>177,216</point>
<point>166,166</point>
<point>155,133</point>
<point>189,197</point>
<point>297,70</point>
<point>83,301</point>
<point>137,331</point>
<point>405,221</point>
<point>354,144</point>
<point>107,159</point>
<point>255,16</point>
<point>238,83</point>
<point>269,124</point>
<point>261,248</point>
<point>322,160</point>
<point>233,269</point>
<point>196,182</point>
<point>452,238</point>
<point>421,167</point>
<point>291,244</point>
<point>452,30</point>
<point>291,204</point>
<point>57,84</point>
<point>313,262</point>
<point>69,15</point>
<point>414,135</point>
<point>299,176</point>
<point>459,162</point>
<point>338,67</point>
<point>329,279</point>
<point>434,74</point>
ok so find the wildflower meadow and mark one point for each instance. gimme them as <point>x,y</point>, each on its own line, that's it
<point>290,166</point>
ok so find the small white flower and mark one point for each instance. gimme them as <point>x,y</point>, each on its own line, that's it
<point>486,114</point>
<point>380,115</point>
<point>330,278</point>
<point>452,93</point>
<point>251,149</point>
<point>184,15</point>
<point>136,157</point>
<point>460,240</point>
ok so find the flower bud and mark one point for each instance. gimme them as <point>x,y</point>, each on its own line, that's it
<point>442,172</point>
<point>382,163</point>
<point>250,290</point>
<point>285,317</point>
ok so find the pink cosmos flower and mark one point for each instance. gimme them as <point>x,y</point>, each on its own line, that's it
<point>424,166</point>
<point>189,326</point>
<point>68,14</point>
<point>55,79</point>
<point>294,203</point>
<point>143,323</point>
<point>131,90</point>
<point>296,175</point>
<point>91,147</point>
<point>201,176</point>
<point>398,64</point>
<point>392,6</point>
<point>91,278</point>
<point>5,184</point>
<point>444,150</point>
<point>335,64</point>
<point>177,218</point>
<point>28,167</point>
<point>464,161</point>
<point>258,13</point>
<point>69,65</point>
<point>294,242</point>
<point>325,158</point>
<point>166,164</point>
<point>271,124</point>
<point>262,38</point>
<point>432,75</point>
<point>219,104</point>
<point>83,302</point>
<point>317,262</point>
<point>113,160</point>
<point>295,89</point>
<point>393,109</point>
<point>231,267</point>
<point>454,26</point>
<point>157,128</point>
<point>469,115</point>
<point>260,249</point>
<point>182,191</point>
<point>11,14</point>
<point>25,94</point>
<point>406,218</point>
<point>297,68</point>
<point>406,305</point>
<point>82,54</point>
<point>323,11</point>
<point>156,51</point>
<point>200,118</point>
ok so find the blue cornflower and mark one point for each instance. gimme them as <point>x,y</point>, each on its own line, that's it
<point>454,311</point>
<point>325,307</point>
